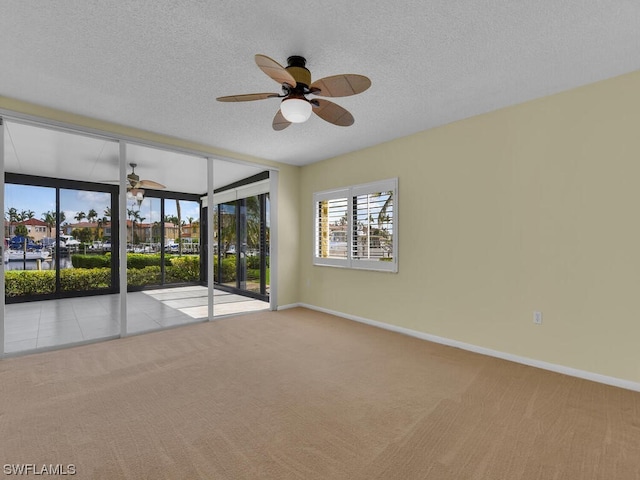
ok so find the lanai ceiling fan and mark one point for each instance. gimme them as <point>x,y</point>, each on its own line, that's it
<point>135,182</point>
<point>296,84</point>
<point>135,186</point>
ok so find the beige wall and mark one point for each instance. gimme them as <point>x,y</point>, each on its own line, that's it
<point>534,207</point>
<point>287,190</point>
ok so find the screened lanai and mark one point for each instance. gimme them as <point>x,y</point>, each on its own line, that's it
<point>188,240</point>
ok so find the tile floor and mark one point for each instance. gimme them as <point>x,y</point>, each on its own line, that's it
<point>53,323</point>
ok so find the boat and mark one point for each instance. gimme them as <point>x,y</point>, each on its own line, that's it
<point>20,255</point>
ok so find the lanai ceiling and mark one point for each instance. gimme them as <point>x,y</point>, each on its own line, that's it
<point>50,152</point>
<point>159,65</point>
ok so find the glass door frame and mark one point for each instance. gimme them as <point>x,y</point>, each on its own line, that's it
<point>64,184</point>
<point>263,248</point>
<point>163,195</point>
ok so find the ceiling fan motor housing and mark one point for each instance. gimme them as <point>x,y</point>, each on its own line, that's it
<point>296,67</point>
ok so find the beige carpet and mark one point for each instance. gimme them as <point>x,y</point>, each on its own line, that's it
<point>303,395</point>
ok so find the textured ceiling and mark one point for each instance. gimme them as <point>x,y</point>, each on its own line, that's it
<point>159,65</point>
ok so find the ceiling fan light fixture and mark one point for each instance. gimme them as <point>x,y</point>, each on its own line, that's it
<point>296,110</point>
<point>136,194</point>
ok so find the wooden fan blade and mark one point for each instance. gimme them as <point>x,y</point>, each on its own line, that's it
<point>149,184</point>
<point>341,85</point>
<point>275,70</point>
<point>279,122</point>
<point>332,113</point>
<point>247,97</point>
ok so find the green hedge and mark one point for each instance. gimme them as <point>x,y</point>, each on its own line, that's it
<point>143,260</point>
<point>134,260</point>
<point>253,262</point>
<point>183,269</point>
<point>90,261</point>
<point>29,282</point>
<point>84,279</point>
<point>41,282</point>
<point>139,277</point>
<point>179,269</point>
<point>228,268</point>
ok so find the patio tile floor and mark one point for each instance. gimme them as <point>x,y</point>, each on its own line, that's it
<point>55,323</point>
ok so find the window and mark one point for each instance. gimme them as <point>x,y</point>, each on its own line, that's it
<point>356,227</point>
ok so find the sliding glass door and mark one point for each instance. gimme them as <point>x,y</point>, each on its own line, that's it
<point>228,238</point>
<point>30,230</point>
<point>241,235</point>
<point>54,237</point>
<point>256,229</point>
<point>163,241</point>
<point>84,262</point>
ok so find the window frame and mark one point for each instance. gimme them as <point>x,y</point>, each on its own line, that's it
<point>350,193</point>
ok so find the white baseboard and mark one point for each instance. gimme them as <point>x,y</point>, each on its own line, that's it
<point>573,372</point>
<point>290,305</point>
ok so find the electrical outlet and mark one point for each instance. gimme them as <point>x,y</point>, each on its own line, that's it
<point>537,318</point>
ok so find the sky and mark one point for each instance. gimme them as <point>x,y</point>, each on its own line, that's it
<point>43,199</point>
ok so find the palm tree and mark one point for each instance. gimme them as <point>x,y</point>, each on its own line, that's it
<point>253,223</point>
<point>107,216</point>
<point>99,230</point>
<point>27,215</point>
<point>134,216</point>
<point>227,226</point>
<point>139,219</point>
<point>155,232</point>
<point>383,217</point>
<point>172,219</point>
<point>91,216</point>
<point>179,227</point>
<point>12,213</point>
<point>131,213</point>
<point>80,216</point>
<point>49,218</point>
<point>195,227</point>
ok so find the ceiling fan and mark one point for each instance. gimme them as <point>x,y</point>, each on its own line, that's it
<point>135,182</point>
<point>296,86</point>
<point>135,186</point>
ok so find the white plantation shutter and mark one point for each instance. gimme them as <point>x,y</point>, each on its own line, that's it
<point>332,227</point>
<point>373,226</point>
<point>356,227</point>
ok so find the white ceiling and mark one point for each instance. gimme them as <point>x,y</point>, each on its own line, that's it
<point>158,65</point>
<point>33,150</point>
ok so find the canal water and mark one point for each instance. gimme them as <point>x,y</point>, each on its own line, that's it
<point>65,262</point>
